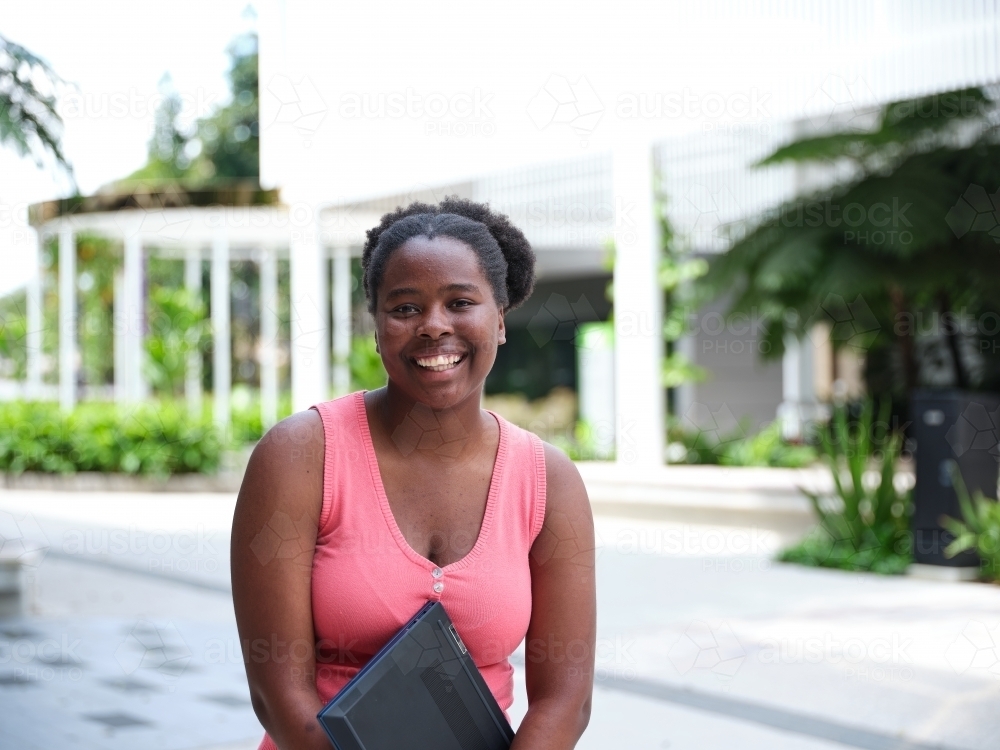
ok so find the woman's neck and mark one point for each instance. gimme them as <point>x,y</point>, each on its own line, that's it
<point>391,408</point>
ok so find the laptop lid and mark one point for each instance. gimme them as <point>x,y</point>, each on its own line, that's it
<point>422,691</point>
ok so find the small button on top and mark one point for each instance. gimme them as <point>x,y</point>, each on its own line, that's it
<point>438,587</point>
<point>437,572</point>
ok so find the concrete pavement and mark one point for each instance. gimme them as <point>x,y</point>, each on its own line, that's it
<point>704,642</point>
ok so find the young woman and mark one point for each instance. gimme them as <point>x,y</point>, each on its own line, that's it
<point>356,512</point>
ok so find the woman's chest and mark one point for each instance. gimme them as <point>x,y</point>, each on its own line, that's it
<point>366,585</point>
<point>439,510</point>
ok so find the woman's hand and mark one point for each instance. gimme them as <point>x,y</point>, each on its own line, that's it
<point>274,537</point>
<point>560,642</point>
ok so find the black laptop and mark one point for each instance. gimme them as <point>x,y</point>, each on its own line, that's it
<point>422,691</point>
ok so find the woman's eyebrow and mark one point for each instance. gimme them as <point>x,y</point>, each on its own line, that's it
<point>400,291</point>
<point>460,288</point>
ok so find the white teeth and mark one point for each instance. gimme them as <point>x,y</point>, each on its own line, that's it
<point>439,363</point>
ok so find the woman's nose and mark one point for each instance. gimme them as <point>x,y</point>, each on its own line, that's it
<point>436,323</point>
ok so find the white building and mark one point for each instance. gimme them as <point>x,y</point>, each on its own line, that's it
<point>569,118</point>
<point>565,116</point>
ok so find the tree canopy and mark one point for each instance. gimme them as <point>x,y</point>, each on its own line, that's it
<point>221,147</point>
<point>900,256</point>
<point>29,121</point>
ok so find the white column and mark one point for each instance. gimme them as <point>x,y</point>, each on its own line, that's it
<point>340,284</point>
<point>268,338</point>
<point>67,318</point>
<point>309,329</point>
<point>798,394</point>
<point>132,320</point>
<point>221,355</point>
<point>192,374</point>
<point>595,358</point>
<point>34,317</point>
<point>685,394</point>
<point>639,397</point>
<point>120,339</point>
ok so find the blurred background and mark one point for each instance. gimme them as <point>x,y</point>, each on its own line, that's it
<point>766,327</point>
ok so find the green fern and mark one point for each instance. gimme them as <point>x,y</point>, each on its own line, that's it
<point>979,529</point>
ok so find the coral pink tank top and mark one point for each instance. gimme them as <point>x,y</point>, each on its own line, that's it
<point>367,581</point>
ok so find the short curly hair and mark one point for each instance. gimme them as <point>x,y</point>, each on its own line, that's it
<point>505,254</point>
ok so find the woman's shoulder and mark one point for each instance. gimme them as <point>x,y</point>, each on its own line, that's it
<point>284,474</point>
<point>292,445</point>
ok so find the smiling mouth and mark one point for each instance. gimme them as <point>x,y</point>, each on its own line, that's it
<point>439,363</point>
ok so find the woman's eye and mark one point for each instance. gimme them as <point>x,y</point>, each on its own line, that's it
<point>406,309</point>
<point>461,303</point>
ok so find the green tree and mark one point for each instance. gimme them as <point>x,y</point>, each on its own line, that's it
<point>900,256</point>
<point>678,270</point>
<point>29,121</point>
<point>177,326</point>
<point>13,337</point>
<point>223,146</point>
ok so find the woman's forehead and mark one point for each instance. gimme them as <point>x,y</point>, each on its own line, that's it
<point>441,255</point>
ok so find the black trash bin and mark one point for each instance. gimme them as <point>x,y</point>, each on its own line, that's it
<point>951,428</point>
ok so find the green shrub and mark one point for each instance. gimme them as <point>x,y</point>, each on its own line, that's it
<point>177,327</point>
<point>156,439</point>
<point>246,424</point>
<point>978,530</point>
<point>866,525</point>
<point>367,372</point>
<point>765,448</point>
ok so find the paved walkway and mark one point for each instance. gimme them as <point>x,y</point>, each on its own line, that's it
<point>704,642</point>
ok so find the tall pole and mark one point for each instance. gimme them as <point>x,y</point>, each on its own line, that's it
<point>268,338</point>
<point>221,355</point>
<point>192,374</point>
<point>639,392</point>
<point>309,341</point>
<point>67,319</point>
<point>132,320</point>
<point>340,284</point>
<point>120,339</point>
<point>34,315</point>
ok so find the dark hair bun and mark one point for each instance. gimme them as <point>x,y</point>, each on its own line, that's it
<point>516,250</point>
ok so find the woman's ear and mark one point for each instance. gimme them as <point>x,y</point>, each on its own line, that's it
<point>502,336</point>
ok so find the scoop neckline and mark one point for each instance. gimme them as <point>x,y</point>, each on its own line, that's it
<point>383,498</point>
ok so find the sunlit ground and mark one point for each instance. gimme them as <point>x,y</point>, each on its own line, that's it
<point>704,642</point>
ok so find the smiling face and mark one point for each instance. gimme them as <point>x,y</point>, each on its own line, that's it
<point>437,323</point>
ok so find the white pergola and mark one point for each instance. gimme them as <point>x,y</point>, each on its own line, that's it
<point>169,225</point>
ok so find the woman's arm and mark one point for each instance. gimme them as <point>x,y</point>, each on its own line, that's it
<point>560,641</point>
<point>274,537</point>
